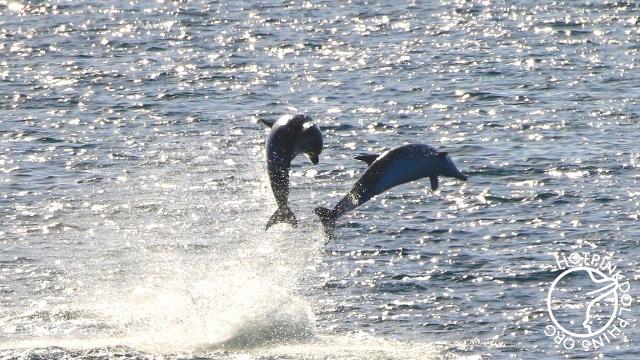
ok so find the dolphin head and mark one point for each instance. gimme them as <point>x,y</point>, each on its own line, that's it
<point>311,142</point>
<point>448,168</point>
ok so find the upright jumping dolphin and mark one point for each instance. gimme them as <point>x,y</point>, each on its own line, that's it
<point>289,136</point>
<point>397,166</point>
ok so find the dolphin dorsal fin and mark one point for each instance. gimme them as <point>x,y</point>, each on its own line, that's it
<point>269,123</point>
<point>369,158</point>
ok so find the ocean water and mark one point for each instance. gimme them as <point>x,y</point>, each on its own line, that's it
<point>134,193</point>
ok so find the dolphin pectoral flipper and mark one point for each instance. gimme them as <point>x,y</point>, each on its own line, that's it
<point>434,182</point>
<point>282,215</point>
<point>369,158</point>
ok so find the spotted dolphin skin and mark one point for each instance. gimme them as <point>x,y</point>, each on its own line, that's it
<point>397,166</point>
<point>290,135</point>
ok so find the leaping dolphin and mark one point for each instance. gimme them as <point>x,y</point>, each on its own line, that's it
<point>289,136</point>
<point>397,166</point>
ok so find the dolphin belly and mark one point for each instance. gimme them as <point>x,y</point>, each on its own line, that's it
<point>397,173</point>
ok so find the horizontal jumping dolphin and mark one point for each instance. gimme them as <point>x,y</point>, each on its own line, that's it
<point>289,136</point>
<point>397,166</point>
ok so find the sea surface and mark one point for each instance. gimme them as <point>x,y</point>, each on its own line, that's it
<point>134,191</point>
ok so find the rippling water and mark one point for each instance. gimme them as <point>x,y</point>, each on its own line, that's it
<point>133,190</point>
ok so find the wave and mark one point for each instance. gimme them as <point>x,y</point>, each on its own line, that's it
<point>353,346</point>
<point>285,321</point>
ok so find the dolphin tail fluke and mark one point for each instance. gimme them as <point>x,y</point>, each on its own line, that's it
<point>282,215</point>
<point>328,219</point>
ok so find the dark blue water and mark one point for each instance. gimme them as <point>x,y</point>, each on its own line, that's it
<point>133,187</point>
